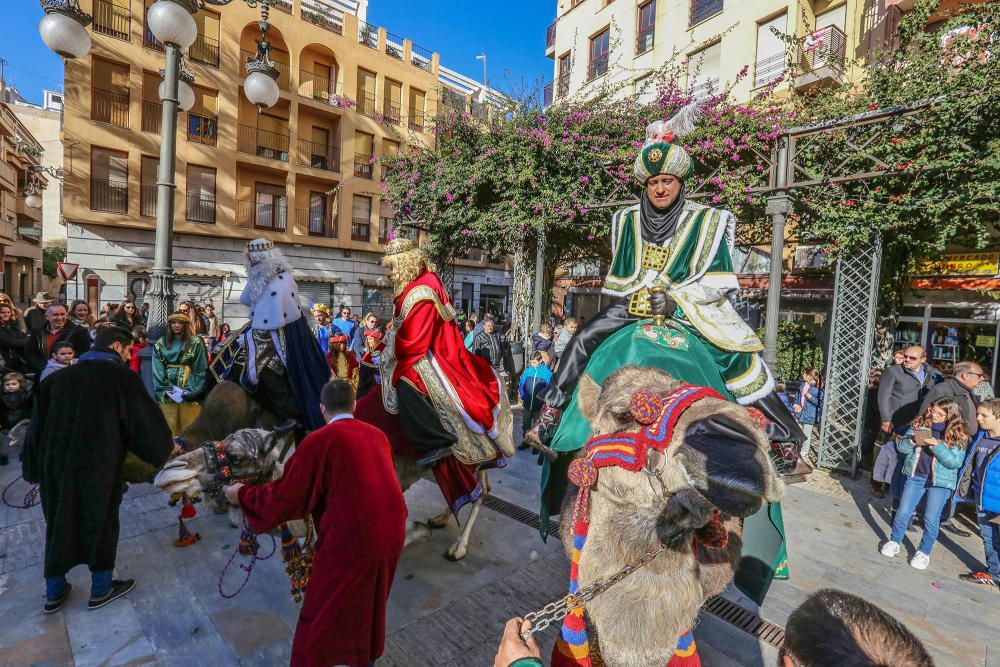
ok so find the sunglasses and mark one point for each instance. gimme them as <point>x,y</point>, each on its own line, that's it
<point>911,357</point>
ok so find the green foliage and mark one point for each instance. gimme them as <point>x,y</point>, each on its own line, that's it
<point>51,256</point>
<point>798,349</point>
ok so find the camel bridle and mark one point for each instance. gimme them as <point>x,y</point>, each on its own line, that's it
<point>220,471</point>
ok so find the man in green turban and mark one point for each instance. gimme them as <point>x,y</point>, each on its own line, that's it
<point>673,257</point>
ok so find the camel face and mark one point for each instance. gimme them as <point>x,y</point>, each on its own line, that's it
<point>249,451</point>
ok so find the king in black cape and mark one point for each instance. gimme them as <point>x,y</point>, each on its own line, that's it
<point>86,418</point>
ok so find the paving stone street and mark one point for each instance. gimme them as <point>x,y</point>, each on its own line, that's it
<point>444,613</point>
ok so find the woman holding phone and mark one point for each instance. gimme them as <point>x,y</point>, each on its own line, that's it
<point>934,447</point>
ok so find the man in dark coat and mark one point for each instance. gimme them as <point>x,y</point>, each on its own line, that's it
<point>57,329</point>
<point>343,475</point>
<point>961,387</point>
<point>86,418</point>
<point>902,388</point>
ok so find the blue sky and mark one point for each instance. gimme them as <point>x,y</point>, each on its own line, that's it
<point>512,34</point>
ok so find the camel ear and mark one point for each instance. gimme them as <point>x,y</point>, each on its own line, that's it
<point>587,394</point>
<point>270,441</point>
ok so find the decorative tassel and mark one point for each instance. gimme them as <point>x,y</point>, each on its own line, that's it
<point>249,546</point>
<point>187,509</point>
<point>298,560</point>
<point>185,538</point>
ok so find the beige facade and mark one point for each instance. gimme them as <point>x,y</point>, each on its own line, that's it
<point>45,125</point>
<point>303,173</point>
<point>20,224</point>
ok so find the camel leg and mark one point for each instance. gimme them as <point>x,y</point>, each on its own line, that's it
<point>440,520</point>
<point>459,550</point>
<point>417,531</point>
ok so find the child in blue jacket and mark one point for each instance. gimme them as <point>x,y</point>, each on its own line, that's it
<point>534,381</point>
<point>980,482</point>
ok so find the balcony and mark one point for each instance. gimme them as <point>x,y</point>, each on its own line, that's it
<point>109,106</point>
<point>819,59</point>
<point>112,20</point>
<point>366,104</point>
<point>324,16</point>
<point>416,120</point>
<point>108,196</point>
<point>361,229</point>
<point>268,216</point>
<point>453,100</point>
<point>8,177</point>
<point>202,129</point>
<point>318,156</point>
<point>152,116</point>
<point>24,211</point>
<point>598,67</point>
<point>421,58</point>
<point>393,112</point>
<point>269,145</point>
<point>284,79</point>
<point>320,89</point>
<point>547,95</point>
<point>550,39</point>
<point>205,50</point>
<point>368,34</point>
<point>644,42</point>
<point>147,201</point>
<point>200,207</point>
<point>282,5</point>
<point>314,222</point>
<point>706,88</point>
<point>364,165</point>
<point>393,46</point>
<point>702,10</point>
<point>768,69</point>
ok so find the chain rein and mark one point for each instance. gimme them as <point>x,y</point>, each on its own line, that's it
<point>557,610</point>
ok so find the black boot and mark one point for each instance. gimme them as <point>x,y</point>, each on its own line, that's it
<point>782,427</point>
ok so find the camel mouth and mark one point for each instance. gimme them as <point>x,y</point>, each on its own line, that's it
<point>177,477</point>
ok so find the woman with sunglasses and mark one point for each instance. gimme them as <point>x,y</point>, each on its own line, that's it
<point>128,315</point>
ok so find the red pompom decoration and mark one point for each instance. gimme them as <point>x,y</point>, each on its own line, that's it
<point>646,406</point>
<point>758,418</point>
<point>187,510</point>
<point>582,473</point>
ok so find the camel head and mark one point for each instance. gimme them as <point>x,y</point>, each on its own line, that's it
<point>250,455</point>
<point>716,458</point>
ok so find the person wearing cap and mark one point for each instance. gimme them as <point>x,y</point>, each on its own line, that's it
<point>673,257</point>
<point>343,363</point>
<point>275,357</point>
<point>179,360</point>
<point>368,374</point>
<point>34,316</point>
<point>323,329</point>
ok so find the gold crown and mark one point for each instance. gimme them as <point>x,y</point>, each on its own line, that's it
<point>259,245</point>
<point>398,246</point>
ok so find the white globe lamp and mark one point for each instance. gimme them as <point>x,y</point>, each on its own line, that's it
<point>261,90</point>
<point>33,200</point>
<point>64,34</point>
<point>171,23</point>
<point>185,94</point>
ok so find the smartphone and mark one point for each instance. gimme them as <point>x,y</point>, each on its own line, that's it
<point>921,434</point>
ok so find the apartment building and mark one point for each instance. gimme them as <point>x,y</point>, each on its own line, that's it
<point>20,224</point>
<point>304,172</point>
<point>44,123</point>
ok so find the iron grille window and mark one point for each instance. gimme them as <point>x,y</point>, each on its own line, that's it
<point>152,115</point>
<point>205,50</point>
<point>363,165</point>
<point>112,18</point>
<point>270,145</point>
<point>705,9</point>
<point>147,186</point>
<point>109,106</point>
<point>200,196</point>
<point>361,215</point>
<point>647,27</point>
<point>599,51</point>
<point>108,181</point>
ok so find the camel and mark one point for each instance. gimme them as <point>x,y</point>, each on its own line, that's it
<point>231,416</point>
<point>717,458</point>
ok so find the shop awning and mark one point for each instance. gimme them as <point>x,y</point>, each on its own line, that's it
<point>317,277</point>
<point>181,268</point>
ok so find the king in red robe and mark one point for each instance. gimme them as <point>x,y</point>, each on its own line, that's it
<point>343,475</point>
<point>451,401</point>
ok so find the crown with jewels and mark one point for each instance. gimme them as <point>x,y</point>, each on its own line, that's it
<point>260,245</point>
<point>398,246</point>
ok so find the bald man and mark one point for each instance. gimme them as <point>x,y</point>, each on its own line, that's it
<point>960,386</point>
<point>902,389</point>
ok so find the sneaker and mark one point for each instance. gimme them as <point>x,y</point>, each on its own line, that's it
<point>920,561</point>
<point>52,606</point>
<point>979,578</point>
<point>118,589</point>
<point>890,549</point>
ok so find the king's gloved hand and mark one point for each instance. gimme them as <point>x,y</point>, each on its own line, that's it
<point>661,304</point>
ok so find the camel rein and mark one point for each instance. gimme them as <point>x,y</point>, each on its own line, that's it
<point>218,467</point>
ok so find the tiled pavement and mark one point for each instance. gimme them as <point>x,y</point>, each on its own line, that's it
<point>444,613</point>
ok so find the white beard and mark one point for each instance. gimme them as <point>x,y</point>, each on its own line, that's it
<point>261,268</point>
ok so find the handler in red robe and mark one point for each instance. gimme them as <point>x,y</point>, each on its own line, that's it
<point>429,375</point>
<point>343,475</point>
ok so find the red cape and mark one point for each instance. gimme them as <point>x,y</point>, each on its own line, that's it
<point>344,476</point>
<point>426,330</point>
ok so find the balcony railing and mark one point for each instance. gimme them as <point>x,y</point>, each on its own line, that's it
<point>148,38</point>
<point>324,16</point>
<point>393,112</point>
<point>152,116</point>
<point>384,225</point>
<point>271,216</point>
<point>394,46</point>
<point>598,67</point>
<point>368,34</point>
<point>768,69</point>
<point>109,106</point>
<point>200,207</point>
<point>315,222</point>
<point>262,143</point>
<point>421,57</point>
<point>361,229</point>
<point>318,156</point>
<point>111,19</point>
<point>282,5</point>
<point>108,196</point>
<point>202,129</point>
<point>706,88</point>
<point>284,69</point>
<point>644,42</point>
<point>416,120</point>
<point>550,37</point>
<point>366,103</point>
<point>547,97</point>
<point>318,87</point>
<point>363,165</point>
<point>824,48</point>
<point>205,50</point>
<point>705,9</point>
<point>147,201</point>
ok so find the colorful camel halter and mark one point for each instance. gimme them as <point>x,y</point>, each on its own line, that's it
<point>628,450</point>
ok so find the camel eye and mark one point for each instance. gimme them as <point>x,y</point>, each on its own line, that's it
<point>623,418</point>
